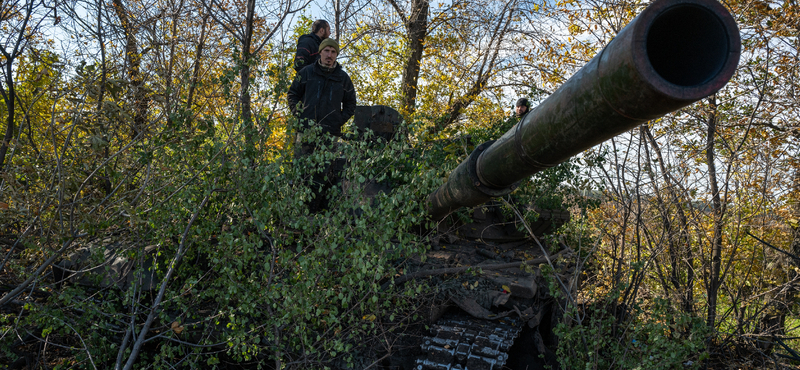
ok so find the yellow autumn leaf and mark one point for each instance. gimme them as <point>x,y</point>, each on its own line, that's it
<point>176,327</point>
<point>369,317</point>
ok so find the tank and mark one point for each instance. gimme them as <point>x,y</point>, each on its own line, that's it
<point>673,54</point>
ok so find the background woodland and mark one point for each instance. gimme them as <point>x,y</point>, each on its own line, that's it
<point>158,131</point>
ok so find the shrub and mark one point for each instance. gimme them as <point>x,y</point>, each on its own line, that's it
<point>649,335</point>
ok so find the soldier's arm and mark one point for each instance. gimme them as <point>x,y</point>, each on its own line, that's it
<point>295,94</point>
<point>304,54</point>
<point>349,100</point>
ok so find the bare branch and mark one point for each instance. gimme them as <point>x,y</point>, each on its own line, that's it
<point>175,261</point>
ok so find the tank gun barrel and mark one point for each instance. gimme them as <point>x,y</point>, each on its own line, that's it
<point>673,54</point>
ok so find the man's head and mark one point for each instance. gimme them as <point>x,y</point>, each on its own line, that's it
<point>522,107</point>
<point>328,51</point>
<point>321,28</point>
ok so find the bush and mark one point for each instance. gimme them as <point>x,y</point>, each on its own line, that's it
<point>605,334</point>
<point>254,273</point>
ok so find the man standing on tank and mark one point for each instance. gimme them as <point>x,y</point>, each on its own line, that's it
<point>308,45</point>
<point>321,94</point>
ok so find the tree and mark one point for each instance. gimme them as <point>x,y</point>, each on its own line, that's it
<point>140,98</point>
<point>252,32</point>
<point>414,19</point>
<point>480,50</point>
<point>22,20</point>
<point>344,14</point>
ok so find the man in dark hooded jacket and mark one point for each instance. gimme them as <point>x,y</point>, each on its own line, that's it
<point>322,94</point>
<point>308,45</point>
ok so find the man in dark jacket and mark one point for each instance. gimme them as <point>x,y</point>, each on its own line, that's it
<point>322,94</point>
<point>308,45</point>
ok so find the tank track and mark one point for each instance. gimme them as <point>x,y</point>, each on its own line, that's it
<point>461,342</point>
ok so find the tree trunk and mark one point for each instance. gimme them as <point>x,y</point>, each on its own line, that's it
<point>244,97</point>
<point>773,322</point>
<point>9,96</point>
<point>106,178</point>
<point>103,69</point>
<point>716,212</point>
<point>416,31</point>
<point>140,98</point>
<point>196,68</point>
<point>173,43</point>
<point>794,199</point>
<point>456,108</point>
<point>337,13</point>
